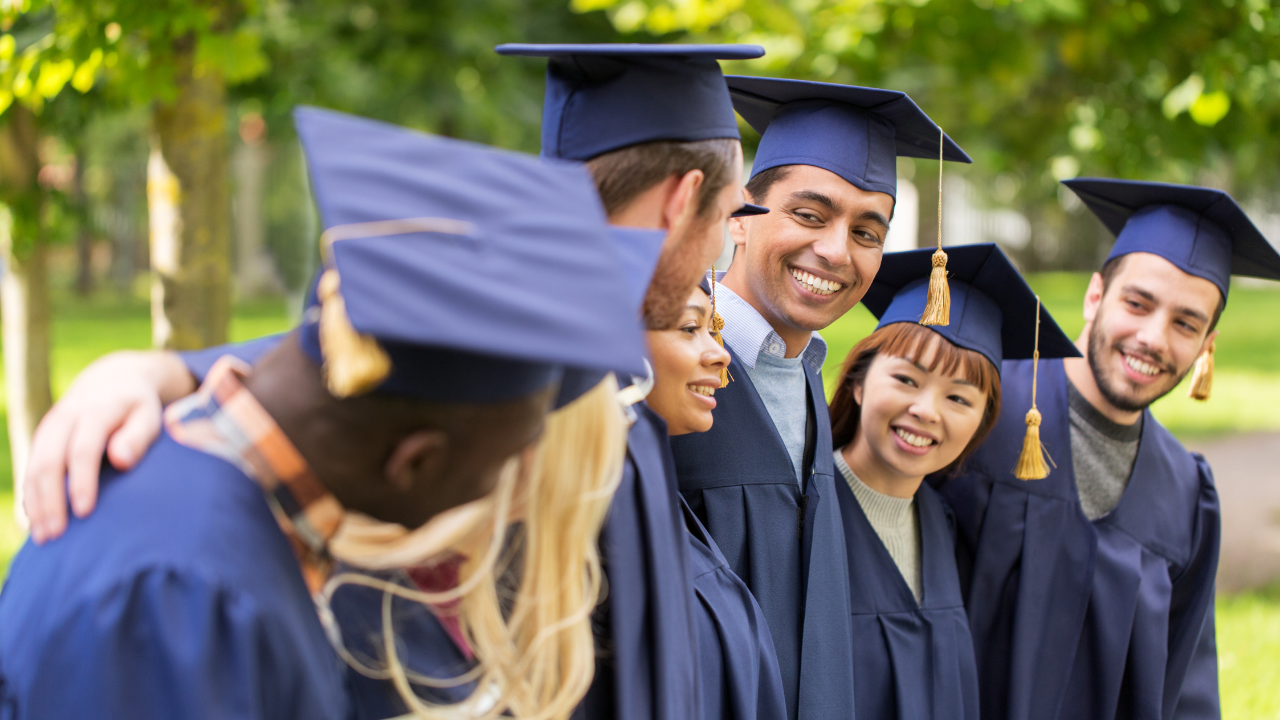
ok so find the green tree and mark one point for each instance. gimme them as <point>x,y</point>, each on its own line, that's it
<point>1035,90</point>
<point>178,55</point>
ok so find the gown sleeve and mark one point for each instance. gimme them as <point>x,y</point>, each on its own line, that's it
<point>160,644</point>
<point>1192,686</point>
<point>199,362</point>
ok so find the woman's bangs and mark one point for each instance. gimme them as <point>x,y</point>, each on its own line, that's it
<point>914,342</point>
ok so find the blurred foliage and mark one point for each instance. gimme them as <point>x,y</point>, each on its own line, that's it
<point>1035,90</point>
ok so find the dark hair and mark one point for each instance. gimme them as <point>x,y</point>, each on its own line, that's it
<point>911,341</point>
<point>1112,268</point>
<point>758,187</point>
<point>621,175</point>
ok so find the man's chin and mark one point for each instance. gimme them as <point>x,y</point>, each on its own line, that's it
<point>1129,399</point>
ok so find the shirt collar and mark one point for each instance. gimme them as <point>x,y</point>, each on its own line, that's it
<point>223,419</point>
<point>750,335</point>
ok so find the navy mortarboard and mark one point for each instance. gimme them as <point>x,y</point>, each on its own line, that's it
<point>1202,231</point>
<point>638,248</point>
<point>855,132</point>
<point>478,272</point>
<point>993,310</point>
<point>747,210</point>
<point>604,97</point>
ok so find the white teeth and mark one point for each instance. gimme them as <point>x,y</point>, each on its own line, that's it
<point>1144,368</point>
<point>913,439</point>
<point>815,284</point>
<point>702,389</point>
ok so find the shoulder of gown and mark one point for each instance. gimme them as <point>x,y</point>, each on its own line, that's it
<point>178,597</point>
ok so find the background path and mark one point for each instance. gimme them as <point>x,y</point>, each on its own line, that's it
<point>1246,469</point>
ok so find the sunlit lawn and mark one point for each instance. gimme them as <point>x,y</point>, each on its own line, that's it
<point>1246,397</point>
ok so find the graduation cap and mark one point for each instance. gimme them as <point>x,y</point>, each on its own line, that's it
<point>748,210</point>
<point>638,248</point>
<point>454,272</point>
<point>995,313</point>
<point>603,97</point>
<point>1202,231</point>
<point>855,132</point>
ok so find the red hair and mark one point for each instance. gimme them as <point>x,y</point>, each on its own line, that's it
<point>912,342</point>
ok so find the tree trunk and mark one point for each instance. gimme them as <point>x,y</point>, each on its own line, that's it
<point>255,274</point>
<point>84,233</point>
<point>189,205</point>
<point>24,292</point>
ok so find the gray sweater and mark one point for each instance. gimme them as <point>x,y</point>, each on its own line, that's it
<point>896,524</point>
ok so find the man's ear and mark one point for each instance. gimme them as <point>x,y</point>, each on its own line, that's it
<point>681,206</point>
<point>738,232</point>
<point>416,459</point>
<point>1093,297</point>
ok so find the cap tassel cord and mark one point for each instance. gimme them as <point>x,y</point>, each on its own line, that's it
<point>1202,375</point>
<point>1031,464</point>
<point>937,307</point>
<point>354,364</point>
<point>717,325</point>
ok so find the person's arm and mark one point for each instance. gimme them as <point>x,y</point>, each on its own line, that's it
<point>114,405</point>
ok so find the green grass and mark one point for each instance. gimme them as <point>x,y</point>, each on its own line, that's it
<point>1249,654</point>
<point>1246,384</point>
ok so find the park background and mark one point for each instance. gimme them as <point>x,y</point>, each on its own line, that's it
<point>152,192</point>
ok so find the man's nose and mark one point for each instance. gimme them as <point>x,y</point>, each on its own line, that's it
<point>832,246</point>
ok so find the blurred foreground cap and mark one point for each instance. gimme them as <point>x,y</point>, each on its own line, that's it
<point>855,132</point>
<point>993,310</point>
<point>638,249</point>
<point>478,273</point>
<point>604,97</point>
<point>1200,230</point>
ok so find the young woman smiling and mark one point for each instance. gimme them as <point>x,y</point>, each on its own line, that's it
<point>738,675</point>
<point>915,401</point>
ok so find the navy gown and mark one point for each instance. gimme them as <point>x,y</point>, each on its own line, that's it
<point>647,664</point>
<point>179,597</point>
<point>912,661</point>
<point>785,543</point>
<point>738,667</point>
<point>1080,619</point>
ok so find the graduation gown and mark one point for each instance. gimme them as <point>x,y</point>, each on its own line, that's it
<point>1076,619</point>
<point>737,665</point>
<point>912,661</point>
<point>647,663</point>
<point>423,647</point>
<point>785,543</point>
<point>179,597</point>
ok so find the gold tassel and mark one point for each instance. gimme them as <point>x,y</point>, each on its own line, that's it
<point>354,364</point>
<point>717,324</point>
<point>1202,375</point>
<point>1031,465</point>
<point>937,307</point>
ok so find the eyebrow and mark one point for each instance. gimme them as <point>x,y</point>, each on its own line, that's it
<point>702,312</point>
<point>835,207</point>
<point>1179,309</point>
<point>820,198</point>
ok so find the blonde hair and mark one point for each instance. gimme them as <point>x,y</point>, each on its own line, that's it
<point>530,577</point>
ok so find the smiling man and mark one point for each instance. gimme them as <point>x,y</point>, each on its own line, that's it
<point>762,480</point>
<point>1091,591</point>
